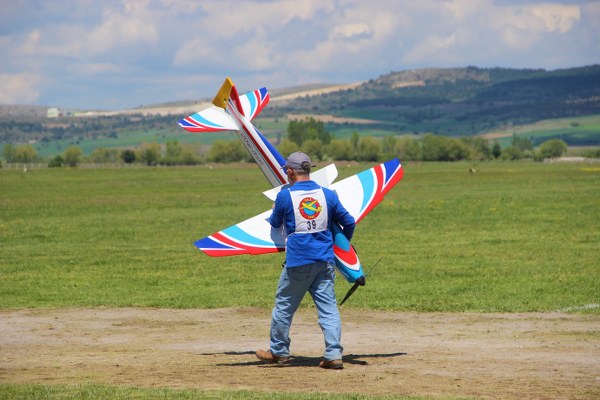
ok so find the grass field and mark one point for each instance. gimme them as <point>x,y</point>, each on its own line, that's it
<point>511,237</point>
<point>577,131</point>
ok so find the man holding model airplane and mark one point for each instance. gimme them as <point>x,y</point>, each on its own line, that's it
<point>312,220</point>
<point>307,211</point>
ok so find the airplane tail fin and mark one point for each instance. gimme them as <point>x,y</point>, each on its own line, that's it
<point>223,94</point>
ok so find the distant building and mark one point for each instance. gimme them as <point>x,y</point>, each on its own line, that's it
<point>53,112</point>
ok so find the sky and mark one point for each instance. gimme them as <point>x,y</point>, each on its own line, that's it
<point>115,54</point>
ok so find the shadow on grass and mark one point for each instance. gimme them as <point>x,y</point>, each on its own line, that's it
<point>299,361</point>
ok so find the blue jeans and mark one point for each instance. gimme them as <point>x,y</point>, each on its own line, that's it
<point>318,280</point>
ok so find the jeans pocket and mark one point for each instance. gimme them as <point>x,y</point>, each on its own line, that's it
<point>299,273</point>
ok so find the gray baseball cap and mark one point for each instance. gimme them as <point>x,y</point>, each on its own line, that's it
<point>295,160</point>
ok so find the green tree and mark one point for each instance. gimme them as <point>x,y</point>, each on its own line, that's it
<point>72,156</point>
<point>174,150</point>
<point>369,149</point>
<point>8,152</point>
<point>480,148</point>
<point>128,156</point>
<point>354,140</point>
<point>56,162</point>
<point>287,147</point>
<point>512,153</point>
<point>150,153</point>
<point>521,143</point>
<point>408,149</point>
<point>24,154</point>
<point>592,153</point>
<point>308,129</point>
<point>189,156</point>
<point>389,146</point>
<point>227,151</point>
<point>102,155</point>
<point>552,148</point>
<point>434,148</point>
<point>457,150</point>
<point>339,149</point>
<point>496,150</point>
<point>314,149</point>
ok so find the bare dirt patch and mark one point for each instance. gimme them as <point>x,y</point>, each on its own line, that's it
<point>534,356</point>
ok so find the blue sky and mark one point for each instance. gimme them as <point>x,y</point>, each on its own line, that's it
<point>111,54</point>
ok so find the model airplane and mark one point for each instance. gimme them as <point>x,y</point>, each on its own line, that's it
<point>359,193</point>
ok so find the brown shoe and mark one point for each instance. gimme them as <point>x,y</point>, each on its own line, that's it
<point>268,357</point>
<point>332,364</point>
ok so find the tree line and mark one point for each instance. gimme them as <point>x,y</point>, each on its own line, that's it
<point>311,137</point>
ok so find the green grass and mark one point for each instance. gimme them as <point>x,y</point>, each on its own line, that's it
<point>576,130</point>
<point>512,237</point>
<point>96,392</point>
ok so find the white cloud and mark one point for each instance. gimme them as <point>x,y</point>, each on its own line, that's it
<point>200,52</point>
<point>556,17</point>
<point>128,28</point>
<point>92,69</point>
<point>19,88</point>
<point>430,48</point>
<point>132,45</point>
<point>352,30</point>
<point>537,18</point>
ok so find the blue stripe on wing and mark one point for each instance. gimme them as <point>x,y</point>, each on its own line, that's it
<point>367,182</point>
<point>203,121</point>
<point>245,239</point>
<point>209,243</point>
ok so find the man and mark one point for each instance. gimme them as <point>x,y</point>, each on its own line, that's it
<point>307,210</point>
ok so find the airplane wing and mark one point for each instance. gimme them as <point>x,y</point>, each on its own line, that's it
<point>359,194</point>
<point>253,236</point>
<point>374,182</point>
<point>217,119</point>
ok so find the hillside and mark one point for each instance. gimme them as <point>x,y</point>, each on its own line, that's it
<point>456,102</point>
<point>461,101</point>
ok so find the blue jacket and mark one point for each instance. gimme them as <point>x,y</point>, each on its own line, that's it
<point>309,247</point>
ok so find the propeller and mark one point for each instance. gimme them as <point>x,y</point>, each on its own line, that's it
<point>359,282</point>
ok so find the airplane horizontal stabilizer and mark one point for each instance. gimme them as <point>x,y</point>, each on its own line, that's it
<point>209,120</point>
<point>215,118</point>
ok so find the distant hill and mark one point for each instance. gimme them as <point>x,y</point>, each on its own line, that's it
<point>446,101</point>
<point>461,101</point>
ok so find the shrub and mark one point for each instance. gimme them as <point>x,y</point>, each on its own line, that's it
<point>72,156</point>
<point>369,149</point>
<point>340,150</point>
<point>128,156</point>
<point>56,162</point>
<point>314,149</point>
<point>552,148</point>
<point>287,147</point>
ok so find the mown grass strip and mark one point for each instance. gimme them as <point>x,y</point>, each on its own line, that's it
<point>100,392</point>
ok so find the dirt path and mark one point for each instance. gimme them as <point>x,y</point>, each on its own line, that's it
<point>508,356</point>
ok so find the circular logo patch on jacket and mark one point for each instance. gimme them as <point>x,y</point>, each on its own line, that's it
<point>309,208</point>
